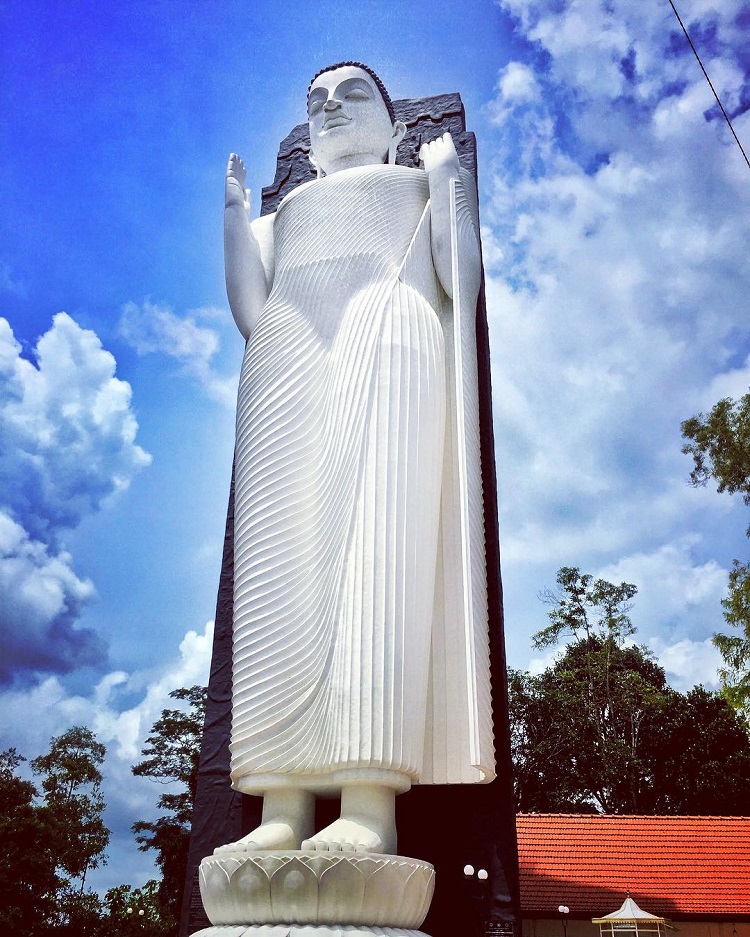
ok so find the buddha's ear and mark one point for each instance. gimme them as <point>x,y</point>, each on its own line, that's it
<point>318,171</point>
<point>399,132</point>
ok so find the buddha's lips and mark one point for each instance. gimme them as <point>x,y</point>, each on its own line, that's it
<point>338,121</point>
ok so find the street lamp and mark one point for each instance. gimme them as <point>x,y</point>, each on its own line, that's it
<point>478,894</point>
<point>564,912</point>
<point>141,913</point>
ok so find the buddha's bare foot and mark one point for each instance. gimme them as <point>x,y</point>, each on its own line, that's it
<point>367,823</point>
<point>277,834</point>
<point>287,820</point>
<point>345,835</point>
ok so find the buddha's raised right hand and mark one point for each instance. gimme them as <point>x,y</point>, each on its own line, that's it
<point>235,193</point>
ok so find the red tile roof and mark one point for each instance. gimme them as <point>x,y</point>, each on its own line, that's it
<point>677,867</point>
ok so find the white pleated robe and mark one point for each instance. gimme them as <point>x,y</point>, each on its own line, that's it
<point>360,610</point>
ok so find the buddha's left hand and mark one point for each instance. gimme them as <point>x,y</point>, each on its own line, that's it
<point>440,155</point>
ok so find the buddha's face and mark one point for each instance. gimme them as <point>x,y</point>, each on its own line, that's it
<point>348,119</point>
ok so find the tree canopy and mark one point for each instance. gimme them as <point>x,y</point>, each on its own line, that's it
<point>601,731</point>
<point>50,840</point>
<point>171,757</point>
<point>720,446</point>
<point>28,865</point>
<point>71,781</point>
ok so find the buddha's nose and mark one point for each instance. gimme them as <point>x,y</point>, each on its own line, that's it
<point>331,104</point>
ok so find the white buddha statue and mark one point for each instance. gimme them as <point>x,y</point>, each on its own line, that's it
<point>360,655</point>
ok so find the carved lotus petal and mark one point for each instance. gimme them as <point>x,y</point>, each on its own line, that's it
<point>342,888</point>
<point>294,888</point>
<point>270,862</point>
<point>252,887</point>
<point>317,862</point>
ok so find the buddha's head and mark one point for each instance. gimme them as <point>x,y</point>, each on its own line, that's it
<point>351,117</point>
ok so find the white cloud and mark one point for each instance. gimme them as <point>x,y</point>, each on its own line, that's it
<point>676,594</point>
<point>128,729</point>
<point>516,85</point>
<point>41,600</point>
<point>121,724</point>
<point>9,283</point>
<point>68,445</point>
<point>617,286</point>
<point>122,728</point>
<point>537,665</point>
<point>67,428</point>
<point>151,328</point>
<point>618,279</point>
<point>733,383</point>
<point>688,663</point>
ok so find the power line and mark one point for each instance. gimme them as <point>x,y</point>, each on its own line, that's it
<point>695,52</point>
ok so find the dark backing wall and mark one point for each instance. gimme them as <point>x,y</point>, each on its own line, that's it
<point>450,826</point>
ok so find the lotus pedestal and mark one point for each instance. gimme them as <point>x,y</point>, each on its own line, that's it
<point>310,894</point>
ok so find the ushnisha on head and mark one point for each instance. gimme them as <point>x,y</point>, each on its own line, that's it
<point>351,118</point>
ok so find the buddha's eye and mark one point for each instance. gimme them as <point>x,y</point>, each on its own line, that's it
<point>314,107</point>
<point>357,94</point>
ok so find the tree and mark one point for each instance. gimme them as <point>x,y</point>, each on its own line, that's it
<point>28,866</point>
<point>134,911</point>
<point>600,730</point>
<point>583,608</point>
<point>73,806</point>
<point>584,725</point>
<point>701,752</point>
<point>720,446</point>
<point>171,756</point>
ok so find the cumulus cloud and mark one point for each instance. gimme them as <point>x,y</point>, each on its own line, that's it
<point>674,590</point>
<point>67,428</point>
<point>127,729</point>
<point>151,328</point>
<point>108,709</point>
<point>517,85</point>
<point>120,709</point>
<point>42,599</point>
<point>68,445</point>
<point>688,663</point>
<point>678,599</point>
<point>617,293</point>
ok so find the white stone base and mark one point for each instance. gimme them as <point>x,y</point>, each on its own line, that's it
<point>350,891</point>
<point>305,930</point>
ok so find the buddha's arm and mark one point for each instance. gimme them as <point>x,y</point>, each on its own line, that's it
<point>248,250</point>
<point>450,214</point>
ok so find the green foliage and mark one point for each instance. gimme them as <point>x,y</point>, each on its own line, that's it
<point>134,911</point>
<point>583,725</point>
<point>171,755</point>
<point>600,730</point>
<point>584,608</point>
<point>720,446</point>
<point>71,781</point>
<point>48,845</point>
<point>735,649</point>
<point>28,878</point>
<point>702,754</point>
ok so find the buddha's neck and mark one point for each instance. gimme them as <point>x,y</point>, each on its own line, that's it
<point>352,161</point>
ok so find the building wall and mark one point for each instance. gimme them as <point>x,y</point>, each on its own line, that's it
<point>554,928</point>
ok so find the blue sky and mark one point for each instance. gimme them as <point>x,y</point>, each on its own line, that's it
<point>615,213</point>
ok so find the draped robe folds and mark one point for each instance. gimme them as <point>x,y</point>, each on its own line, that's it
<point>360,609</point>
